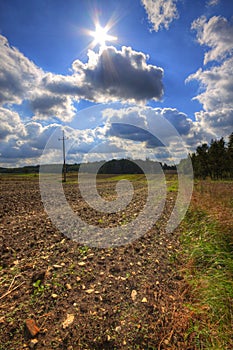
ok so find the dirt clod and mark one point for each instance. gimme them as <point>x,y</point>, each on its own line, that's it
<point>31,328</point>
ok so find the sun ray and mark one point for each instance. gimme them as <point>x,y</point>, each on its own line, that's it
<point>101,36</point>
<point>98,28</point>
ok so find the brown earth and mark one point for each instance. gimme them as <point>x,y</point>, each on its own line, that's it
<point>77,297</point>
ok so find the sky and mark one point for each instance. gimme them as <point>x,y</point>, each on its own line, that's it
<point>108,73</point>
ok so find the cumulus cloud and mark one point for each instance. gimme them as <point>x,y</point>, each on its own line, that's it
<point>10,124</point>
<point>22,141</point>
<point>46,105</point>
<point>110,75</point>
<point>163,144</point>
<point>69,85</point>
<point>142,128</point>
<point>142,117</point>
<point>134,133</point>
<point>38,135</point>
<point>218,122</point>
<point>26,147</point>
<point>217,83</point>
<point>13,151</point>
<point>179,120</point>
<point>160,12</point>
<point>18,75</point>
<point>124,74</point>
<point>21,79</point>
<point>123,132</point>
<point>215,33</point>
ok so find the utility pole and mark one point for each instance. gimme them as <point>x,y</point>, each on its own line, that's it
<point>64,155</point>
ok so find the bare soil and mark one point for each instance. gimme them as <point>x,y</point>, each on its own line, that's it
<point>129,297</point>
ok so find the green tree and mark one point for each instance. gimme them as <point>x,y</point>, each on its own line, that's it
<point>217,159</point>
<point>230,155</point>
<point>201,161</point>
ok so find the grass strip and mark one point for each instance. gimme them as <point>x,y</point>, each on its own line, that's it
<point>209,271</point>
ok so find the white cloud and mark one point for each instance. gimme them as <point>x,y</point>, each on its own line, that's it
<point>161,12</point>
<point>218,122</point>
<point>217,83</point>
<point>21,79</point>
<point>26,141</point>
<point>110,75</point>
<point>15,150</point>
<point>38,135</point>
<point>23,142</point>
<point>46,105</point>
<point>121,133</point>
<point>18,75</point>
<point>143,116</point>
<point>217,34</point>
<point>26,147</point>
<point>211,3</point>
<point>141,144</point>
<point>10,124</point>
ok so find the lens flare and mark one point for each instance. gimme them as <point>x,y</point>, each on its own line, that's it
<point>101,36</point>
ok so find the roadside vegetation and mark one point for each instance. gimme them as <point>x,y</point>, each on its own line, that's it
<point>207,244</point>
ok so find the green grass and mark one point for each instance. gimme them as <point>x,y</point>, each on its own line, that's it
<point>209,271</point>
<point>23,174</point>
<point>172,186</point>
<point>130,177</point>
<point>19,176</point>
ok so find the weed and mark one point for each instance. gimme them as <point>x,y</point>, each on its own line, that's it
<point>209,256</point>
<point>38,287</point>
<point>172,186</point>
<point>83,250</point>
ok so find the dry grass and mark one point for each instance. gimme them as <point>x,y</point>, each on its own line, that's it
<point>207,243</point>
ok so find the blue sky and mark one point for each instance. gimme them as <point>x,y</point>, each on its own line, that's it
<point>171,59</point>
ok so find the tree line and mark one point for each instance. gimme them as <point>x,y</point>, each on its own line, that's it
<point>113,166</point>
<point>214,160</point>
<point>124,166</point>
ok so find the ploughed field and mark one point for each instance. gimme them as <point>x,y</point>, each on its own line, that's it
<point>80,297</point>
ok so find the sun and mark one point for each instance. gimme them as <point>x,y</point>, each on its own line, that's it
<point>101,36</point>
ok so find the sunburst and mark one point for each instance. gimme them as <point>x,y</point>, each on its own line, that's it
<point>101,36</point>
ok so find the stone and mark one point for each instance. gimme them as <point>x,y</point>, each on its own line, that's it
<point>31,327</point>
<point>89,291</point>
<point>68,321</point>
<point>33,343</point>
<point>134,294</point>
